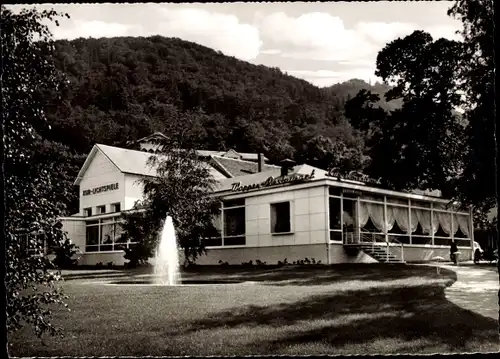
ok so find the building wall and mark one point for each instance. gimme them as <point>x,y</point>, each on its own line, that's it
<point>270,255</point>
<point>308,217</point>
<point>91,259</point>
<point>422,253</point>
<point>101,172</point>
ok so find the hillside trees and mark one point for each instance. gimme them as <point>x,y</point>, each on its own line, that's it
<point>32,192</point>
<point>127,87</point>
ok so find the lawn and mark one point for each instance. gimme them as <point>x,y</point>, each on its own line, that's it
<point>344,309</point>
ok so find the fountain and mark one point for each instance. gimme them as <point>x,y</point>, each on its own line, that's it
<point>166,268</point>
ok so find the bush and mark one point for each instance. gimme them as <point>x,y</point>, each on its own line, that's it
<point>138,254</point>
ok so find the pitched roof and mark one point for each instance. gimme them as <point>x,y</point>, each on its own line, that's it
<point>128,161</point>
<point>206,153</point>
<point>235,167</point>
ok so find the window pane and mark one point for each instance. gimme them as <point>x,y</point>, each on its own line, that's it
<point>92,238</point>
<point>348,217</point>
<point>280,217</point>
<point>107,236</point>
<point>234,221</point>
<point>118,234</point>
<point>217,221</point>
<point>335,213</point>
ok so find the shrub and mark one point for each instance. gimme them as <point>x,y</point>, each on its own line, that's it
<point>138,254</point>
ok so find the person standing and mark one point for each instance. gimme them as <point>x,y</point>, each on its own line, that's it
<point>453,250</point>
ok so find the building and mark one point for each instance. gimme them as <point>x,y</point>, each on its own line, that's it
<point>270,213</point>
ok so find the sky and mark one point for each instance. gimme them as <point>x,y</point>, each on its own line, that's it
<point>324,43</point>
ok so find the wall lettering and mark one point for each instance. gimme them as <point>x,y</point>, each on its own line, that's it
<point>273,181</point>
<point>105,188</point>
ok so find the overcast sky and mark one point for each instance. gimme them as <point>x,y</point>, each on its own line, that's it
<point>323,43</point>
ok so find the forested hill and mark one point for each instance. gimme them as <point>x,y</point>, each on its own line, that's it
<point>125,88</point>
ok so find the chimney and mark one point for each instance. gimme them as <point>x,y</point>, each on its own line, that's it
<point>260,158</point>
<point>286,165</point>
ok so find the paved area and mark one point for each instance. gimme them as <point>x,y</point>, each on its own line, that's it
<point>476,289</point>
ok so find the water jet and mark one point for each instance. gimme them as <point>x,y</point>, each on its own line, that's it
<point>166,268</point>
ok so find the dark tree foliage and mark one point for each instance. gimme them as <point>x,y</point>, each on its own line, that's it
<point>33,196</point>
<point>478,182</point>
<point>421,142</point>
<point>425,143</point>
<point>127,88</point>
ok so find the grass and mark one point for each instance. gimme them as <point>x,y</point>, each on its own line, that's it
<point>344,309</point>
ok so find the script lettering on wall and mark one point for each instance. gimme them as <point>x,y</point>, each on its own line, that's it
<point>353,176</point>
<point>105,188</point>
<point>273,181</point>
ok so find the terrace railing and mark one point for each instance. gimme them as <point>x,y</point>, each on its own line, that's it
<point>392,247</point>
<point>396,248</point>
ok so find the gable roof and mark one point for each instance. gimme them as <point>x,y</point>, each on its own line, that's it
<point>128,161</point>
<point>235,167</point>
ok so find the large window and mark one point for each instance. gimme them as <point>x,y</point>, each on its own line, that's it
<point>104,235</point>
<point>87,212</point>
<point>234,222</point>
<point>280,218</point>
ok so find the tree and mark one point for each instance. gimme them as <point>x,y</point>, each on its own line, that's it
<point>422,141</point>
<point>182,189</point>
<point>31,206</point>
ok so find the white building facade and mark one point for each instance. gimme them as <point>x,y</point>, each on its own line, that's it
<point>274,213</point>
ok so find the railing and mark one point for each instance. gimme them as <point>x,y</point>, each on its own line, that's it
<point>396,245</point>
<point>393,246</point>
